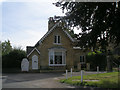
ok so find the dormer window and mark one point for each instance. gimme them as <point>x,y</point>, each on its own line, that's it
<point>57,39</point>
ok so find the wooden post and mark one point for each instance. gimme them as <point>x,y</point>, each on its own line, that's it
<point>109,61</point>
<point>88,66</point>
<point>97,69</point>
<point>71,72</point>
<point>81,76</point>
<point>119,69</point>
<point>79,66</point>
<point>66,75</point>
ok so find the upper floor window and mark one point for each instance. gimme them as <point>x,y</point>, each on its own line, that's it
<point>57,39</point>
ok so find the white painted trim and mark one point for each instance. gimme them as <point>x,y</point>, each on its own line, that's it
<point>48,33</point>
<point>63,53</point>
<point>40,41</point>
<point>57,43</point>
<point>57,40</point>
<point>69,36</point>
<point>34,65</point>
<point>57,64</point>
<point>83,62</point>
<point>77,48</point>
<point>32,51</point>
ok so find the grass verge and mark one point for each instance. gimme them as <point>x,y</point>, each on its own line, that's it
<point>102,80</point>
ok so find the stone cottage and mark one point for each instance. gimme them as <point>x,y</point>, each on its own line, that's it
<point>55,50</point>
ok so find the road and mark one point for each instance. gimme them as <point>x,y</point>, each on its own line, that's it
<point>36,80</point>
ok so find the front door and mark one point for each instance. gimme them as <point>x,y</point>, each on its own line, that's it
<point>35,62</point>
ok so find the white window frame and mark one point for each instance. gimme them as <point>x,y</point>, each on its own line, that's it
<point>57,39</point>
<point>63,57</point>
<point>83,62</point>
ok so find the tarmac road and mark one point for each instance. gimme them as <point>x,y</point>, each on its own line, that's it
<point>36,80</point>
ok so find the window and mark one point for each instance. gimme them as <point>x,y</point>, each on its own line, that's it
<point>57,39</point>
<point>51,58</point>
<point>56,58</point>
<point>82,59</point>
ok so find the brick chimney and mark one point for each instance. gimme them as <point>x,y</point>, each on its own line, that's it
<point>51,23</point>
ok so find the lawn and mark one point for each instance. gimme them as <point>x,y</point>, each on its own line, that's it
<point>102,80</point>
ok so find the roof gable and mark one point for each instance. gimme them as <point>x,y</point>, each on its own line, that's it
<point>53,28</point>
<point>33,50</point>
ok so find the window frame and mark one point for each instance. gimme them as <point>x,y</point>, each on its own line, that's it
<point>82,59</point>
<point>57,39</point>
<point>63,57</point>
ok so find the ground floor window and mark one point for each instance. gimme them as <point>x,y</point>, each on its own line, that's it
<point>56,58</point>
<point>82,59</point>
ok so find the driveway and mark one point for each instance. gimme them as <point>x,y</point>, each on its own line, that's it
<point>36,80</point>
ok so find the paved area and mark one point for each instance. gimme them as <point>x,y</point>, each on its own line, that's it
<point>36,80</point>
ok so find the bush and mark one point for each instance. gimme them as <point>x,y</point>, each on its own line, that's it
<point>13,59</point>
<point>96,59</point>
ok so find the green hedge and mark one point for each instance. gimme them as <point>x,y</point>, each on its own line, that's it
<point>13,59</point>
<point>96,59</point>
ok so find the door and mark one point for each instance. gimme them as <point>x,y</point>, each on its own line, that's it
<point>34,62</point>
<point>25,65</point>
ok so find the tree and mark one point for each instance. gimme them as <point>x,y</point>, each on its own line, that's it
<point>98,21</point>
<point>95,59</point>
<point>6,47</point>
<point>13,59</point>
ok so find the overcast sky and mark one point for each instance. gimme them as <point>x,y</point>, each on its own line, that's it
<point>24,22</point>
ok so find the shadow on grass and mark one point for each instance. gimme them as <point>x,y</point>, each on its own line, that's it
<point>108,84</point>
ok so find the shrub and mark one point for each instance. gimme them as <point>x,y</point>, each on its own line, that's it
<point>13,59</point>
<point>96,59</point>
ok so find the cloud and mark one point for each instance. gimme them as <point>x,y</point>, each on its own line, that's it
<point>24,23</point>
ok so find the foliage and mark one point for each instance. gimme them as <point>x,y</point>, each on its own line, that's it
<point>11,57</point>
<point>99,21</point>
<point>95,59</point>
<point>0,49</point>
<point>6,47</point>
<point>105,80</point>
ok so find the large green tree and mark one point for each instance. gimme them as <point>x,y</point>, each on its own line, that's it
<point>11,57</point>
<point>99,21</point>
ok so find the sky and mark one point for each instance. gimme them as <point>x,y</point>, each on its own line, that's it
<point>24,22</point>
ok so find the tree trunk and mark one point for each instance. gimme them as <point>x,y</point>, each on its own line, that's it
<point>109,62</point>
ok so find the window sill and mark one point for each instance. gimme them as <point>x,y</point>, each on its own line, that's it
<point>57,43</point>
<point>57,64</point>
<point>82,62</point>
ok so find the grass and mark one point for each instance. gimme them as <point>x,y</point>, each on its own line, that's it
<point>102,80</point>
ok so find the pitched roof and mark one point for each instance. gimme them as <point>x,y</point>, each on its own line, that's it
<point>33,50</point>
<point>48,32</point>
